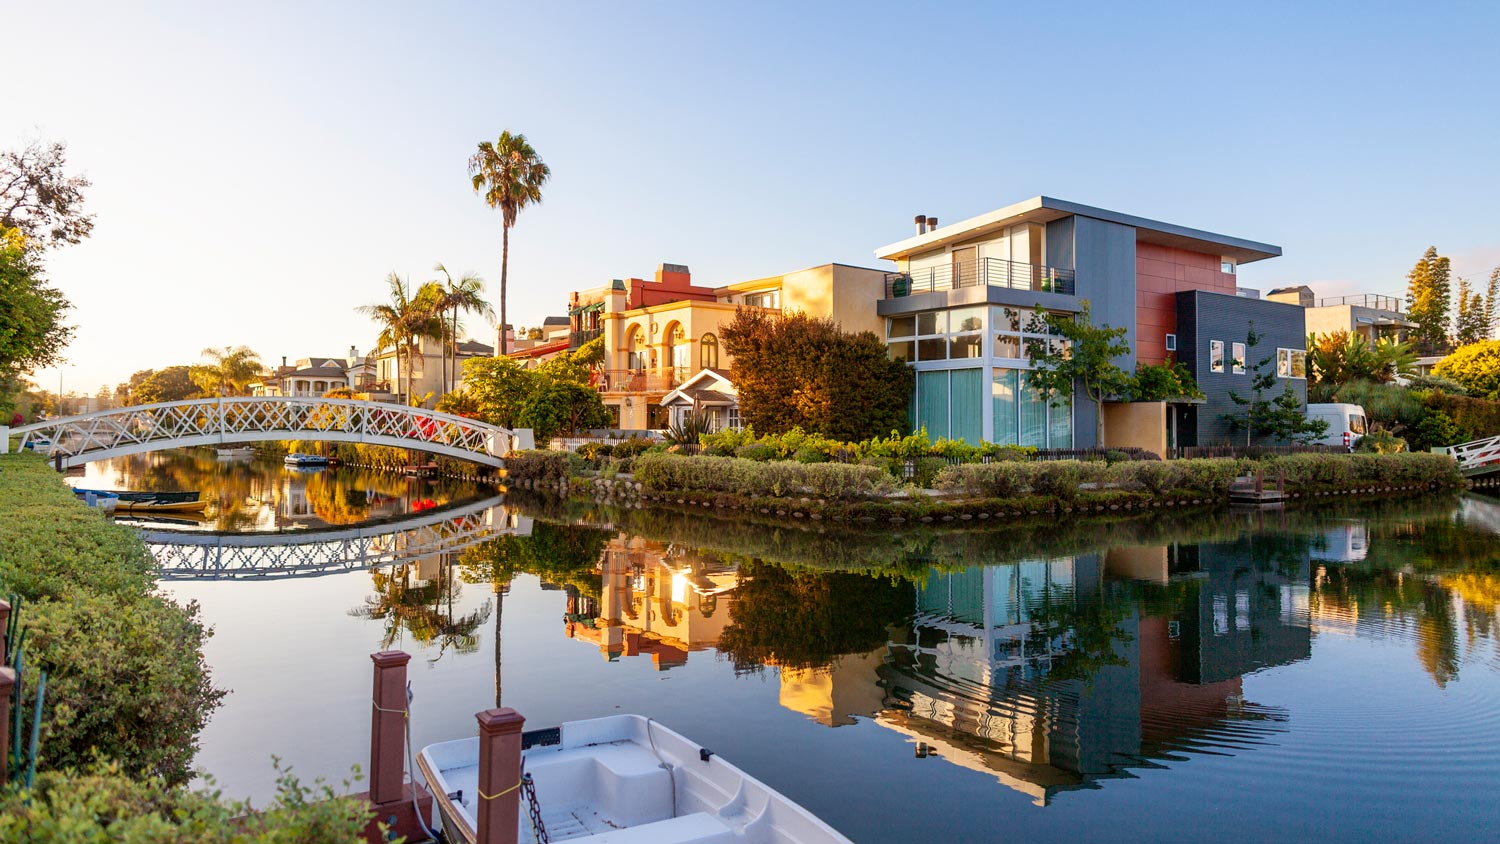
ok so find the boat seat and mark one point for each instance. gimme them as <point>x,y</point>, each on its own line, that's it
<point>621,781</point>
<point>697,828</point>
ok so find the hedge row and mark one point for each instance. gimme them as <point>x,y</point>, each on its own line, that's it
<point>126,676</point>
<point>777,479</point>
<point>799,445</point>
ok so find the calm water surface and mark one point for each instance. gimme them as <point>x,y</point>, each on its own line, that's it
<point>1330,675</point>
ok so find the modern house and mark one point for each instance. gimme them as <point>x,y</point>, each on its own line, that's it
<point>962,309</point>
<point>1367,315</point>
<point>663,355</point>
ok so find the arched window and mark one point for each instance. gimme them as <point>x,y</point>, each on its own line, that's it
<point>709,352</point>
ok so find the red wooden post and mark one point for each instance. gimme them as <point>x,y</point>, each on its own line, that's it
<point>499,816</point>
<point>388,726</point>
<point>4,622</point>
<point>7,683</point>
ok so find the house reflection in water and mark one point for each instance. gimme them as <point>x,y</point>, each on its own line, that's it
<point>1048,676</point>
<point>654,599</point>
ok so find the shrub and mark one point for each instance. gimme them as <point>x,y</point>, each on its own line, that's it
<point>1005,479</point>
<point>1057,479</point>
<point>1210,477</point>
<point>1150,475</point>
<point>1436,429</point>
<point>107,805</point>
<point>1381,441</point>
<point>810,455</point>
<point>756,451</point>
<point>126,676</point>
<point>725,443</point>
<point>927,469</point>
<point>538,467</point>
<point>1475,418</point>
<point>774,478</point>
<point>1475,366</point>
<point>633,447</point>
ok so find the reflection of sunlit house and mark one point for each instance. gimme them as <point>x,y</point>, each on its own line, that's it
<point>832,695</point>
<point>1344,543</point>
<point>1041,673</point>
<point>654,599</point>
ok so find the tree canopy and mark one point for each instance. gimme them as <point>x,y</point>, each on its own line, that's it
<point>228,372</point>
<point>39,199</point>
<point>795,370</point>
<point>32,333</point>
<point>1083,354</point>
<point>1343,357</point>
<point>1475,366</point>
<point>555,398</point>
<point>1429,297</point>
<point>509,175</point>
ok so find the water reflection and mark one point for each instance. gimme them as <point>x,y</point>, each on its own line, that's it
<point>264,495</point>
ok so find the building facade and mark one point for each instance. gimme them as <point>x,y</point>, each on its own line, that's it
<point>1371,317</point>
<point>962,309</point>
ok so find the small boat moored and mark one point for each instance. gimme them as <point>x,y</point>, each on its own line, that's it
<point>299,459</point>
<point>154,502</point>
<point>106,501</point>
<point>622,778</point>
<point>237,453</point>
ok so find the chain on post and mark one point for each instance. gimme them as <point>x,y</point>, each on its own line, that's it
<point>533,809</point>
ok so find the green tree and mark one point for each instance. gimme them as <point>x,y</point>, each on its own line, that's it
<point>1491,305</point>
<point>1085,356</point>
<point>1343,357</point>
<point>1285,417</point>
<point>1475,366</point>
<point>461,296</point>
<point>1163,381</point>
<point>32,333</point>
<point>558,408</point>
<point>404,319</point>
<point>498,388</point>
<point>229,371</point>
<point>509,175</point>
<point>1471,324</point>
<point>794,370</point>
<point>174,383</point>
<point>1429,297</point>
<point>39,199</point>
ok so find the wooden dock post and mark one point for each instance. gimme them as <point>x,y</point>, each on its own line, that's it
<point>499,811</point>
<point>7,685</point>
<point>390,795</point>
<point>4,626</point>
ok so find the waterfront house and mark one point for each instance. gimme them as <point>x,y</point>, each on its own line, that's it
<point>314,376</point>
<point>961,309</point>
<point>425,370</point>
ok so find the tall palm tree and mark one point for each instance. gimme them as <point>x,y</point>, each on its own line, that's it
<point>404,320</point>
<point>509,175</point>
<point>462,295</point>
<point>231,369</point>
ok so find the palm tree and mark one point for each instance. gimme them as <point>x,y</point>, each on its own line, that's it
<point>462,295</point>
<point>509,175</point>
<point>231,369</point>
<point>404,320</point>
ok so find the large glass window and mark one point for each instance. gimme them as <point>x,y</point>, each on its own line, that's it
<point>932,403</point>
<point>1291,363</point>
<point>764,299</point>
<point>1006,405</point>
<point>1015,330</point>
<point>1239,358</point>
<point>1024,416</point>
<point>1216,355</point>
<point>967,391</point>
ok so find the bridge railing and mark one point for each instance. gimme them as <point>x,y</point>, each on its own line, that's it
<point>1477,456</point>
<point>251,418</point>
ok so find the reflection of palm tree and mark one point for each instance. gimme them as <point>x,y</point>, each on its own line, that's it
<point>418,610</point>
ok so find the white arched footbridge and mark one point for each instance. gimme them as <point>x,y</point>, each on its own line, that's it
<point>75,440</point>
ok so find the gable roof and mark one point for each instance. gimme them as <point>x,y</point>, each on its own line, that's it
<point>713,381</point>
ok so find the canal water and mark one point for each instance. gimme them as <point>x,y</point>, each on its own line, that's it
<point>1236,677</point>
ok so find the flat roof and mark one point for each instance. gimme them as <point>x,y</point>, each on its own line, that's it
<point>1045,209</point>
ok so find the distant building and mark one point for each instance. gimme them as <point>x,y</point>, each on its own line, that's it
<point>314,376</point>
<point>1370,316</point>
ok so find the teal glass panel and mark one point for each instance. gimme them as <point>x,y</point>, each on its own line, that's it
<point>1060,425</point>
<point>932,403</point>
<point>1033,416</point>
<point>967,402</point>
<point>1006,406</point>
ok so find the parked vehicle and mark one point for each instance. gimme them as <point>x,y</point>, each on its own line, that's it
<point>299,459</point>
<point>1346,423</point>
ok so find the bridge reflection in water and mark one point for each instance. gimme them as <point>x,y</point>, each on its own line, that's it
<point>223,556</point>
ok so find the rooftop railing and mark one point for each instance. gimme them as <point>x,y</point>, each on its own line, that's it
<point>993,272</point>
<point>635,381</point>
<point>578,338</point>
<point>1364,300</point>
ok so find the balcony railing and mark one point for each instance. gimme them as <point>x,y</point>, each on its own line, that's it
<point>994,272</point>
<point>578,338</point>
<point>1365,300</point>
<point>635,381</point>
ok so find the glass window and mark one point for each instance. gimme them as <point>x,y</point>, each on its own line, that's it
<point>966,319</point>
<point>901,326</point>
<point>965,346</point>
<point>932,322</point>
<point>934,348</point>
<point>1033,416</point>
<point>932,403</point>
<point>1006,405</point>
<point>709,352</point>
<point>1007,346</point>
<point>967,391</point>
<point>1060,422</point>
<point>1216,355</point>
<point>1239,358</point>
<point>1226,266</point>
<point>904,349</point>
<point>1291,363</point>
<point>764,299</point>
<point>1356,424</point>
<point>1005,319</point>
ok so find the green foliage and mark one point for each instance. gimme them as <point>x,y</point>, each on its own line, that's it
<point>32,334</point>
<point>796,371</point>
<point>895,447</point>
<point>1471,324</point>
<point>559,408</point>
<point>1476,367</point>
<point>1436,429</point>
<point>1284,418</point>
<point>229,371</point>
<point>1475,418</point>
<point>459,403</point>
<point>126,676</point>
<point>38,198</point>
<point>1429,296</point>
<point>174,383</point>
<point>1327,472</point>
<point>105,804</point>
<point>1380,441</point>
<point>633,447</point>
<point>1434,383</point>
<point>1161,382</point>
<point>508,174</point>
<point>539,466</point>
<point>689,429</point>
<point>1086,357</point>
<point>775,478</point>
<point>1343,357</point>
<point>499,387</point>
<point>1387,405</point>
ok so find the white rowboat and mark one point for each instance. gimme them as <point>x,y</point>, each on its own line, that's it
<point>624,779</point>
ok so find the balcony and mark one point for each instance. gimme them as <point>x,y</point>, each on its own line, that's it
<point>619,381</point>
<point>578,338</point>
<point>1364,300</point>
<point>994,272</point>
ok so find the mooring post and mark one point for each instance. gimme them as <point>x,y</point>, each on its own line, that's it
<point>388,726</point>
<point>4,626</point>
<point>499,816</point>
<point>7,685</point>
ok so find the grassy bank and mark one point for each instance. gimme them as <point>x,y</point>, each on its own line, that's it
<point>857,492</point>
<point>127,687</point>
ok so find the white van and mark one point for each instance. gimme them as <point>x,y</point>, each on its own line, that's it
<point>1342,419</point>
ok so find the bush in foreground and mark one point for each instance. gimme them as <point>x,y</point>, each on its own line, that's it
<point>776,478</point>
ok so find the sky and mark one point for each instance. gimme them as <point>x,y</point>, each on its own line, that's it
<point>259,168</point>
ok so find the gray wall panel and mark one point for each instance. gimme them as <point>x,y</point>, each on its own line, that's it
<point>1104,254</point>
<point>1203,317</point>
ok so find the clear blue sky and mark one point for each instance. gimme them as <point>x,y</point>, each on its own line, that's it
<point>258,168</point>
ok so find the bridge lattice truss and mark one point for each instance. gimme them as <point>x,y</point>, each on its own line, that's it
<point>207,556</point>
<point>219,421</point>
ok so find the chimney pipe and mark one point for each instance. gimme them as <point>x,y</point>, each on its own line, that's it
<point>932,224</point>
<point>921,221</point>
